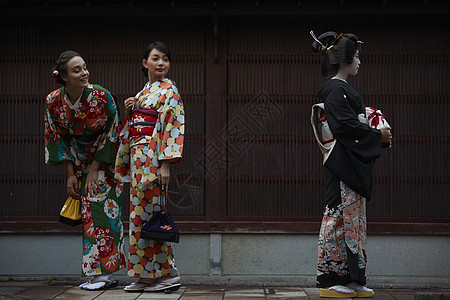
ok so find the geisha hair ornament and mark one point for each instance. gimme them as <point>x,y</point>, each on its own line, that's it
<point>335,41</point>
<point>340,36</point>
<point>314,37</point>
<point>343,37</point>
<point>55,75</point>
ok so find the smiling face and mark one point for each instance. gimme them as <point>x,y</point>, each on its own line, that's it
<point>157,64</point>
<point>77,74</point>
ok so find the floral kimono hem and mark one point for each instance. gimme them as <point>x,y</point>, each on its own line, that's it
<point>138,162</point>
<point>81,135</point>
<point>342,241</point>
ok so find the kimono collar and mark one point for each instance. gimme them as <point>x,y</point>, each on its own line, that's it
<point>86,91</point>
<point>84,95</point>
<point>340,79</point>
<point>158,82</point>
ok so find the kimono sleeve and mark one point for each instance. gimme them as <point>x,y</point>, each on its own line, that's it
<point>122,167</point>
<point>57,142</point>
<point>359,138</point>
<point>171,129</point>
<point>107,148</point>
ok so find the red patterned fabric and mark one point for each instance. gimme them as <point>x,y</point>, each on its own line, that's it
<point>143,121</point>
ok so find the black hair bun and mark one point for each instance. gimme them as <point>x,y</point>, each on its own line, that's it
<point>324,41</point>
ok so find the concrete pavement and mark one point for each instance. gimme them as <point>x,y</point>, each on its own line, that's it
<point>44,290</point>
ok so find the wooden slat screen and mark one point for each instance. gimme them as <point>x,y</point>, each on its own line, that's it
<point>404,72</point>
<point>29,50</point>
<point>254,165</point>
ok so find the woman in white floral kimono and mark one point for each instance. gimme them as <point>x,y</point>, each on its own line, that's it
<point>151,140</point>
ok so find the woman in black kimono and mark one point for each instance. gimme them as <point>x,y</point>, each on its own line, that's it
<point>348,171</point>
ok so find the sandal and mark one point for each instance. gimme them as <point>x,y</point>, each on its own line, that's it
<point>361,290</point>
<point>337,291</point>
<point>138,286</point>
<point>84,284</point>
<point>163,286</point>
<point>94,286</point>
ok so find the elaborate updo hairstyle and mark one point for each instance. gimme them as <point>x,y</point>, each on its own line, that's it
<point>61,65</point>
<point>336,49</point>
<point>158,46</point>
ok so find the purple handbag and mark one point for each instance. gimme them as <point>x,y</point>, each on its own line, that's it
<point>161,226</point>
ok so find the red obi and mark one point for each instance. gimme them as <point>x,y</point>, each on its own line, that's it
<point>143,121</point>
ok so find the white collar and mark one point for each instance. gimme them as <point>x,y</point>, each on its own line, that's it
<point>75,105</point>
<point>340,79</point>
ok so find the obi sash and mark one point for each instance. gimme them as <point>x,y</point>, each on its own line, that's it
<point>143,121</point>
<point>85,139</point>
<point>324,137</point>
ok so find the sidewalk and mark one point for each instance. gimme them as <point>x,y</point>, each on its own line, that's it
<point>40,290</point>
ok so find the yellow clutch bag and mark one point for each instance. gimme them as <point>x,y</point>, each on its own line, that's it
<point>71,212</point>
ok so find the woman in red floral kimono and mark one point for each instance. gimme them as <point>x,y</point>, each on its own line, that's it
<point>81,123</point>
<point>348,169</point>
<point>151,140</point>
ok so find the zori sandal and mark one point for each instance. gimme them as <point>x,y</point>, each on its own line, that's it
<point>337,291</point>
<point>163,286</point>
<point>361,290</point>
<point>100,285</point>
<point>139,285</point>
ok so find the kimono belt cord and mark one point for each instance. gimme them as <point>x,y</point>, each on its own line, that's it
<point>144,123</point>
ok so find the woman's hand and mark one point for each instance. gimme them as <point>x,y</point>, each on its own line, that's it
<point>92,184</point>
<point>164,173</point>
<point>129,103</point>
<point>72,187</point>
<point>386,136</point>
<point>72,181</point>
